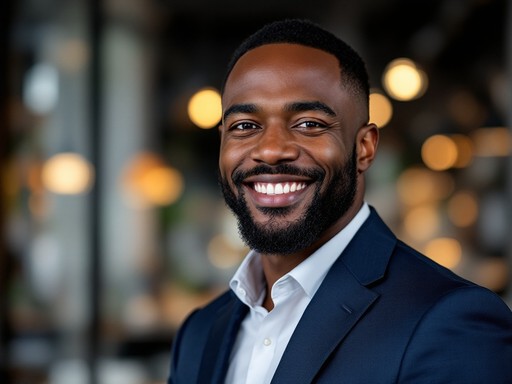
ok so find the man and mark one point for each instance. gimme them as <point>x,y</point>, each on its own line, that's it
<point>327,294</point>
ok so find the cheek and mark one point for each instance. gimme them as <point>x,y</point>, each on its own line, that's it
<point>329,154</point>
<point>334,161</point>
<point>230,156</point>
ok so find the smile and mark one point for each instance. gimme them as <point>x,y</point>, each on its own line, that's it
<point>278,188</point>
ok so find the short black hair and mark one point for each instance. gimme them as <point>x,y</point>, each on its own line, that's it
<point>305,32</point>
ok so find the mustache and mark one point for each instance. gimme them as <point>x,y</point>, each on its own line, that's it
<point>314,174</point>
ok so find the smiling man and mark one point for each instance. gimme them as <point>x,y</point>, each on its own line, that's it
<point>293,149</point>
<point>327,293</point>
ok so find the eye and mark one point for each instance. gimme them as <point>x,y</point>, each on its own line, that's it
<point>243,126</point>
<point>310,124</point>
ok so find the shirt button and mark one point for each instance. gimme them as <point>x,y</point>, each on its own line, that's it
<point>241,291</point>
<point>267,342</point>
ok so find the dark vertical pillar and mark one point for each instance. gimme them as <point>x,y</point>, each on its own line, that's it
<point>95,230</point>
<point>508,55</point>
<point>5,122</point>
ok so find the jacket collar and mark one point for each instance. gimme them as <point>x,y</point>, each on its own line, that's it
<point>368,254</point>
<point>342,299</point>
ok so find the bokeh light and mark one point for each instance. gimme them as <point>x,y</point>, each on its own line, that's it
<point>422,222</point>
<point>445,251</point>
<point>492,142</point>
<point>418,185</point>
<point>381,109</point>
<point>493,273</point>
<point>205,109</point>
<point>439,152</point>
<point>462,209</point>
<point>67,174</point>
<point>465,150</point>
<point>403,80</point>
<point>72,55</point>
<point>222,254</point>
<point>41,88</point>
<point>162,185</point>
<point>149,181</point>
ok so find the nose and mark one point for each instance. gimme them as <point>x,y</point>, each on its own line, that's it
<point>275,145</point>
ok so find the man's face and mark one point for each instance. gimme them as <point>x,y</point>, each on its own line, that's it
<point>288,159</point>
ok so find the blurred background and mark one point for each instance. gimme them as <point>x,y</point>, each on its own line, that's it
<point>112,225</point>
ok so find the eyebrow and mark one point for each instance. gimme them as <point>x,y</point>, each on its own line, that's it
<point>239,108</point>
<point>304,106</point>
<point>298,106</point>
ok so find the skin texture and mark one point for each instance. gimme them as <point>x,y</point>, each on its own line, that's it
<point>284,105</point>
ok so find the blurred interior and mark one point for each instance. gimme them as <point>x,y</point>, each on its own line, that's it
<point>112,225</point>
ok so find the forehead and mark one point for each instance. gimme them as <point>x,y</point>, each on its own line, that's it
<point>289,53</point>
<point>274,65</point>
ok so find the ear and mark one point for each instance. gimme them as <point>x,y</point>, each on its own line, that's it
<point>367,139</point>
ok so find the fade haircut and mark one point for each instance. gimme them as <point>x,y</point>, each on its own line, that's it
<point>304,32</point>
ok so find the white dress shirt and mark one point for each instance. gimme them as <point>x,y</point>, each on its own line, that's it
<point>264,335</point>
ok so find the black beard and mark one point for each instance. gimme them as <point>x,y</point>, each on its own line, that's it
<point>298,235</point>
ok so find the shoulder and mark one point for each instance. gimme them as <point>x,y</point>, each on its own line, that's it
<point>201,317</point>
<point>433,284</point>
<point>410,266</point>
<point>405,274</point>
<point>462,331</point>
<point>464,336</point>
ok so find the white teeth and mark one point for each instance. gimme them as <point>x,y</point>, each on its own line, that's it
<point>278,188</point>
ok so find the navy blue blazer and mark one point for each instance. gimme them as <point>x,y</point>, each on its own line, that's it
<point>384,314</point>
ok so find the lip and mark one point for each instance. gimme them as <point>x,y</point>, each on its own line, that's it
<point>275,178</point>
<point>276,191</point>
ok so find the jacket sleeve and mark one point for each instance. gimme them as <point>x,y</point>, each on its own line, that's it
<point>466,337</point>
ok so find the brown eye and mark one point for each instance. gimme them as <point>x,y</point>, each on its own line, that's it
<point>311,124</point>
<point>244,126</point>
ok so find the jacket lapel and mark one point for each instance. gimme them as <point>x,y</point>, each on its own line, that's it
<point>220,342</point>
<point>339,303</point>
<point>326,321</point>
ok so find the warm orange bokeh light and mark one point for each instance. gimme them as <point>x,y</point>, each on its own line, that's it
<point>418,185</point>
<point>463,209</point>
<point>422,222</point>
<point>445,251</point>
<point>67,174</point>
<point>205,108</point>
<point>492,141</point>
<point>149,181</point>
<point>381,109</point>
<point>439,152</point>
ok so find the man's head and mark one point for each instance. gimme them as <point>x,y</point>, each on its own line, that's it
<point>295,138</point>
<point>304,32</point>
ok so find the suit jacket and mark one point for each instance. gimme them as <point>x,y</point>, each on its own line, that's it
<point>383,314</point>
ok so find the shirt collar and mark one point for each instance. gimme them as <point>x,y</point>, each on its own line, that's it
<point>248,281</point>
<point>311,272</point>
